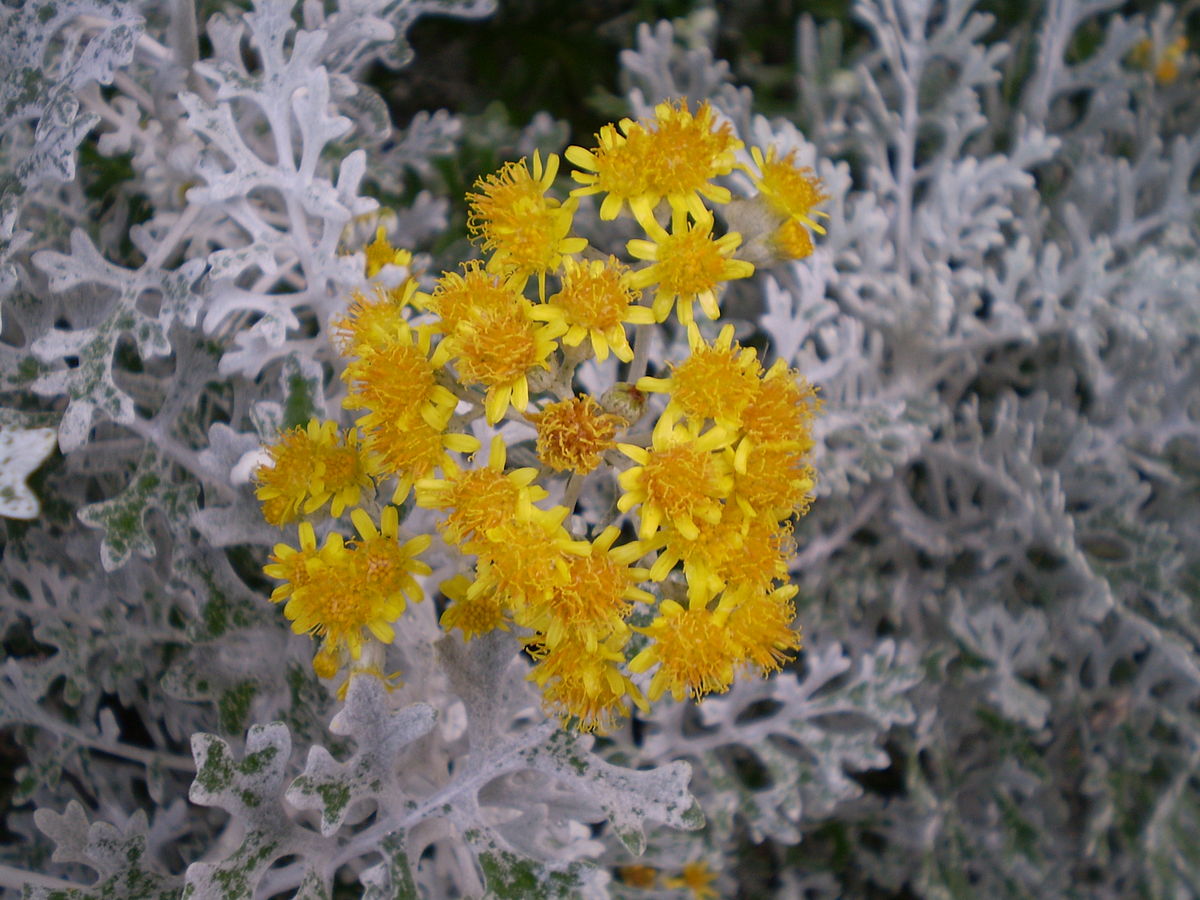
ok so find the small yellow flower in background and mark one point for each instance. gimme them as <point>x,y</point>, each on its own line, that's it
<point>687,265</point>
<point>596,302</point>
<point>479,499</point>
<point>792,240</point>
<point>679,479</point>
<point>572,434</point>
<point>717,381</point>
<point>1161,57</point>
<point>638,875</point>
<point>698,878</point>
<point>615,168</point>
<point>310,466</point>
<point>526,232</point>
<point>380,253</point>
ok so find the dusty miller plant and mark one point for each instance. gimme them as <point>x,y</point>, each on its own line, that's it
<point>998,578</point>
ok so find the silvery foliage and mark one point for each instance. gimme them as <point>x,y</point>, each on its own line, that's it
<point>1000,689</point>
<point>1004,322</point>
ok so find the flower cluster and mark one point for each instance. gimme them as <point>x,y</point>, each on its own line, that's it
<point>694,591</point>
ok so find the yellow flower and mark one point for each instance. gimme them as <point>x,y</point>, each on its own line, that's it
<point>585,685</point>
<point>716,382</point>
<point>456,297</point>
<point>791,240</point>
<point>773,480</point>
<point>475,615</point>
<point>594,601</point>
<point>380,253</point>
<point>738,552</point>
<point>692,648</point>
<point>291,565</point>
<point>374,319</point>
<point>782,409</point>
<point>413,451</point>
<point>674,156</point>
<point>679,479</point>
<point>310,466</point>
<point>524,558</point>
<point>687,265</point>
<point>358,588</point>
<point>761,627</point>
<point>1160,58</point>
<point>396,381</point>
<point>497,348</point>
<point>596,302</point>
<point>573,433</point>
<point>789,190</point>
<point>526,231</point>
<point>479,499</point>
<point>698,878</point>
<point>638,875</point>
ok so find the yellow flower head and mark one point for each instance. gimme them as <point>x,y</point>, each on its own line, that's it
<point>674,156</point>
<point>739,552</point>
<point>698,878</point>
<point>638,875</point>
<point>291,565</point>
<point>596,598</point>
<point>525,231</point>
<point>396,381</point>
<point>472,615</point>
<point>687,265</point>
<point>789,190</point>
<point>596,302</point>
<point>791,240</point>
<point>1163,58</point>
<point>456,297</point>
<point>525,558</point>
<point>380,253</point>
<point>782,409</point>
<point>374,319</point>
<point>573,433</point>
<point>774,481</point>
<point>716,382</point>
<point>585,685</point>
<point>692,648</point>
<point>357,588</point>
<point>497,348</point>
<point>479,499</point>
<point>310,466</point>
<point>761,627</point>
<point>678,479</point>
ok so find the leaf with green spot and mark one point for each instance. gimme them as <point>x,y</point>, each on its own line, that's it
<point>122,518</point>
<point>118,857</point>
<point>371,773</point>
